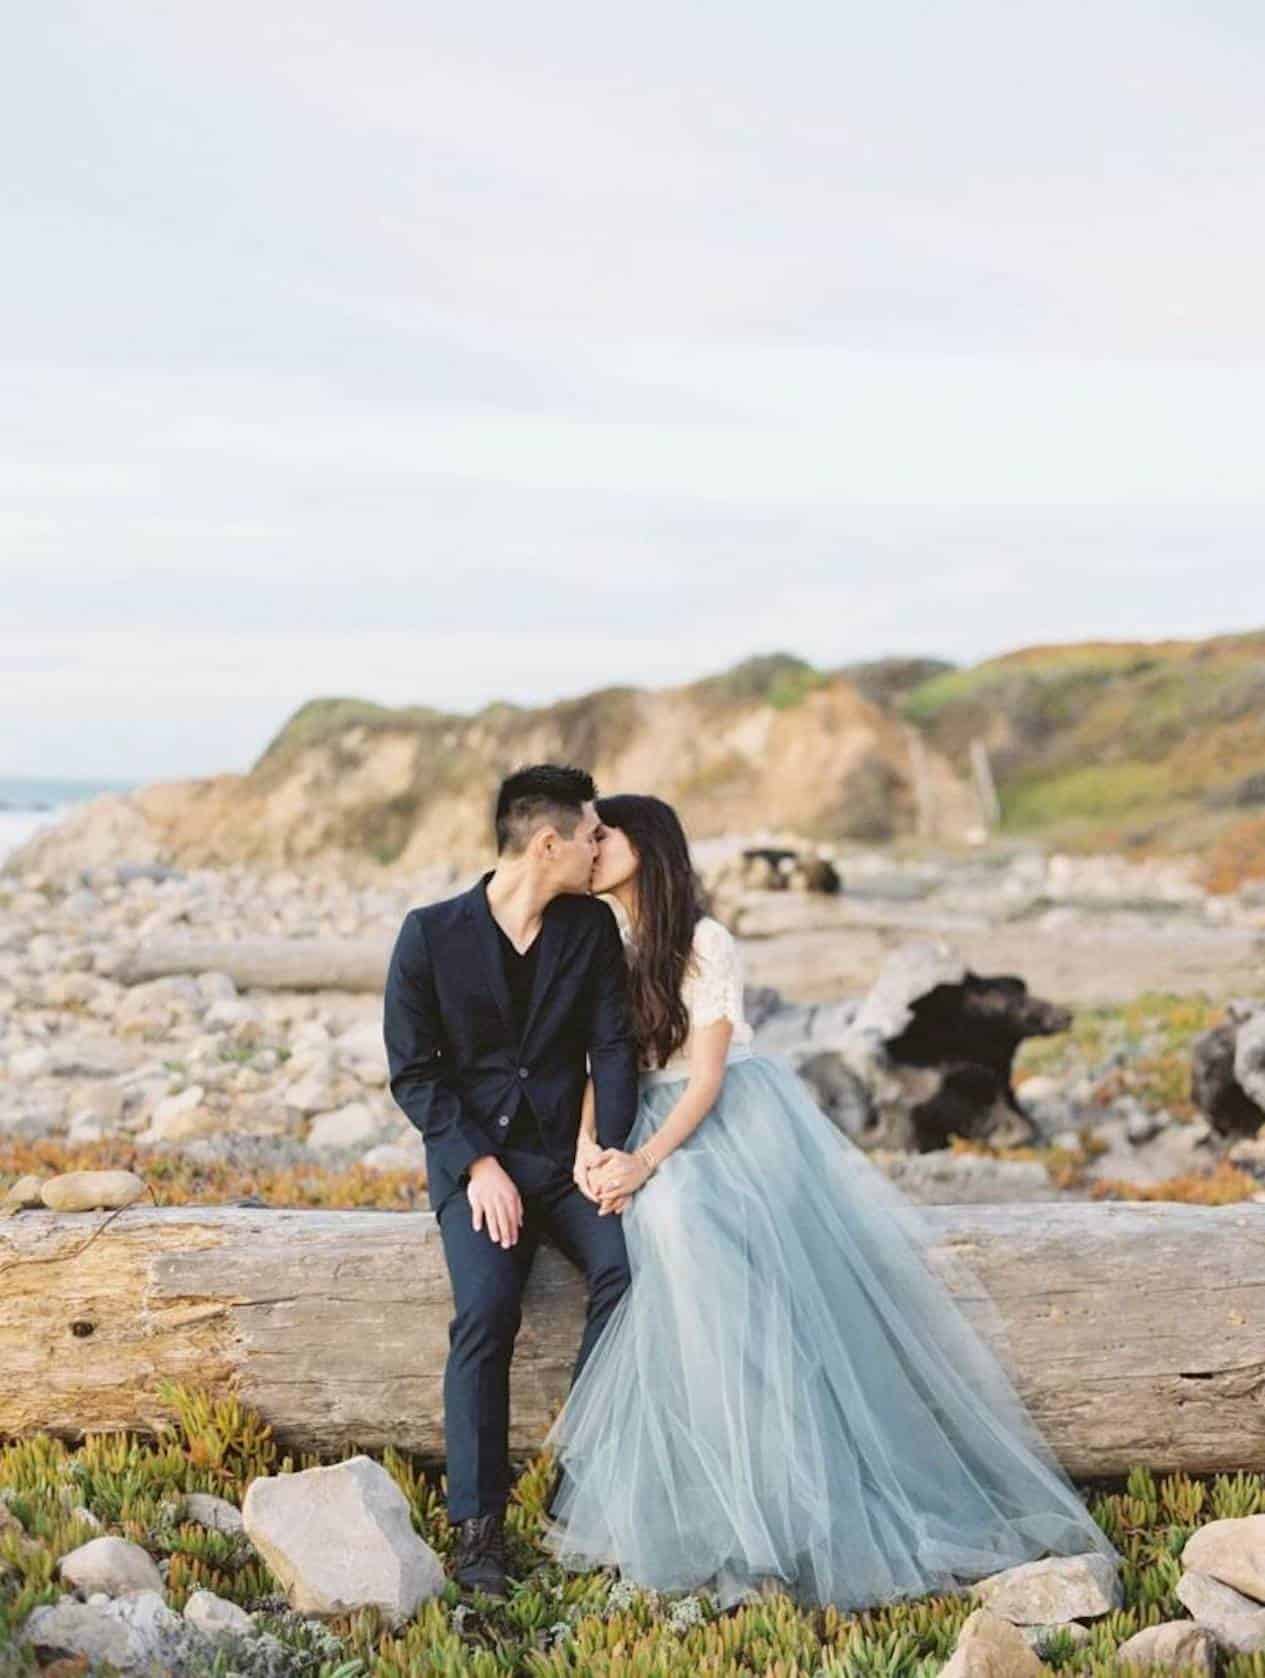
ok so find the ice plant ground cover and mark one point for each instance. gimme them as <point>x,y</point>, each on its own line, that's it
<point>555,1624</point>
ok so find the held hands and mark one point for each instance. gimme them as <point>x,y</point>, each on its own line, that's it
<point>617,1176</point>
<point>494,1199</point>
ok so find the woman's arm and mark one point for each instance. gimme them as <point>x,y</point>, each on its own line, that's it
<point>620,1175</point>
<point>586,1146</point>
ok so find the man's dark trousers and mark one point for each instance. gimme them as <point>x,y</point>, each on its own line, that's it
<point>487,1284</point>
<point>478,1077</point>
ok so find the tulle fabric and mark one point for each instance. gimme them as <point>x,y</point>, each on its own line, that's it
<point>788,1393</point>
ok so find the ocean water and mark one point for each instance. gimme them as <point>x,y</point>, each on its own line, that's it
<point>29,803</point>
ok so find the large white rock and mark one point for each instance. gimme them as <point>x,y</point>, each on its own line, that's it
<point>1054,1588</point>
<point>1235,1620</point>
<point>341,1538</point>
<point>110,1564</point>
<point>990,1647</point>
<point>1232,1551</point>
<point>1180,1645</point>
<point>84,1191</point>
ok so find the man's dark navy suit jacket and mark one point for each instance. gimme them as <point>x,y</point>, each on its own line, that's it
<point>458,1067</point>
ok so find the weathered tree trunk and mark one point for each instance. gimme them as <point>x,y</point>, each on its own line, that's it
<point>352,964</point>
<point>1137,1331</point>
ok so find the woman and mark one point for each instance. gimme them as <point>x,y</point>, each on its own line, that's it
<point>788,1394</point>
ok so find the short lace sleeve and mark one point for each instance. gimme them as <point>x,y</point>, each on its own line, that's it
<point>716,989</point>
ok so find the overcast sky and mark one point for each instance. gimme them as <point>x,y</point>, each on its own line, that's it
<point>442,353</point>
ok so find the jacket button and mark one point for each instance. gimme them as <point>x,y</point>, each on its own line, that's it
<point>503,1120</point>
<point>522,1071</point>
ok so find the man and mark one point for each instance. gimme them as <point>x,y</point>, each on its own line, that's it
<point>494,1000</point>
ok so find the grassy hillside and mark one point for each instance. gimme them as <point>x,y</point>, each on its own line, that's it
<point>1146,746</point>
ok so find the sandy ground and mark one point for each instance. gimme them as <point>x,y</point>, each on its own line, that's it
<point>1070,964</point>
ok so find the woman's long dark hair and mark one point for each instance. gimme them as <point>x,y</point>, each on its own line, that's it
<point>671,900</point>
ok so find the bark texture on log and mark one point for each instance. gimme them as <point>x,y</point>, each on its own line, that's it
<point>1136,1331</point>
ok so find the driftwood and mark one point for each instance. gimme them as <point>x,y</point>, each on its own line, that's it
<point>348,964</point>
<point>1136,1331</point>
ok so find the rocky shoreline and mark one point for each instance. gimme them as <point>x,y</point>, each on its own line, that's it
<point>191,1063</point>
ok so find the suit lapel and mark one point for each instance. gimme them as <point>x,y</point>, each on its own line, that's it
<point>490,949</point>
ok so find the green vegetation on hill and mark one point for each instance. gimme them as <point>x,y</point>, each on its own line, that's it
<point>1098,745</point>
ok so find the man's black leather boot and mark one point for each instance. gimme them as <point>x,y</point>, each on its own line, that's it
<point>479,1559</point>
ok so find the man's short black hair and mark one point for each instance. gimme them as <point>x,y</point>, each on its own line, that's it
<point>545,792</point>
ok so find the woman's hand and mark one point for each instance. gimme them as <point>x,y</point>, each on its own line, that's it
<point>617,1176</point>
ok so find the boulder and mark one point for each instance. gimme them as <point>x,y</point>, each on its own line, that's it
<point>110,1564</point>
<point>85,1191</point>
<point>1178,1646</point>
<point>1054,1588</point>
<point>341,1538</point>
<point>990,1647</point>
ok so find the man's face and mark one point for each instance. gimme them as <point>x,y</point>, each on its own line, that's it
<point>576,858</point>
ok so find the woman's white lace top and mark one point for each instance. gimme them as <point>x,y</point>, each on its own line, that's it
<point>711,988</point>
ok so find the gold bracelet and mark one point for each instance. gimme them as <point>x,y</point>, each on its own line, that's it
<point>647,1157</point>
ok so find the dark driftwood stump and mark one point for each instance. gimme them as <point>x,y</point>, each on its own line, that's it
<point>1136,1331</point>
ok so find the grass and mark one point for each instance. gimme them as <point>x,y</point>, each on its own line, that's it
<point>555,1624</point>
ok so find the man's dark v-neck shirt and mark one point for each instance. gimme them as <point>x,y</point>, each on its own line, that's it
<point>520,975</point>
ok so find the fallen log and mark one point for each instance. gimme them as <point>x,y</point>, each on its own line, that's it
<point>349,964</point>
<point>1136,1330</point>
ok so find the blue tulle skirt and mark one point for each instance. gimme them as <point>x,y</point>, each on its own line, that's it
<point>789,1394</point>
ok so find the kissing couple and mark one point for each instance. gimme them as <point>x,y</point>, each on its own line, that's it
<point>774,1388</point>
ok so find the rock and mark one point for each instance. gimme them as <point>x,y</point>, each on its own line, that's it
<point>347,1127</point>
<point>1249,1058</point>
<point>990,1647</point>
<point>1236,1621</point>
<point>102,1103</point>
<point>839,1092</point>
<point>173,1106</point>
<point>25,1192</point>
<point>233,1014</point>
<point>211,1511</point>
<point>217,987</point>
<point>1178,1645</point>
<point>1041,1639</point>
<point>1215,1087</point>
<point>1054,1588</point>
<point>311,1094</point>
<point>110,1564</point>
<point>83,1191</point>
<point>89,1057</point>
<point>30,1063</point>
<point>1140,1126</point>
<point>394,1156</point>
<point>1232,1551</point>
<point>138,1634</point>
<point>340,1538</point>
<point>215,1617</point>
<point>178,1117</point>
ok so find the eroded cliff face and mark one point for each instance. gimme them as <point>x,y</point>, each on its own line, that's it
<point>365,788</point>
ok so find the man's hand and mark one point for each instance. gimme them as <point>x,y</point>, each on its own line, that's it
<point>587,1152</point>
<point>494,1197</point>
<point>617,1176</point>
